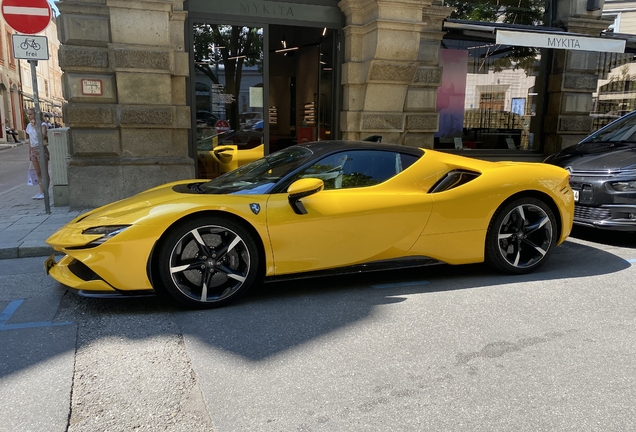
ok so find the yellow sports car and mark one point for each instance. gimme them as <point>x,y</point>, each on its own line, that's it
<point>330,206</point>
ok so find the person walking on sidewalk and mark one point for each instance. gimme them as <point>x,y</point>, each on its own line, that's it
<point>10,131</point>
<point>34,150</point>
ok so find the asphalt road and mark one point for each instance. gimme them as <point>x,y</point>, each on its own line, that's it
<point>440,348</point>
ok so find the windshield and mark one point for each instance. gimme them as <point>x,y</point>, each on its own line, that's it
<point>622,130</point>
<point>260,176</point>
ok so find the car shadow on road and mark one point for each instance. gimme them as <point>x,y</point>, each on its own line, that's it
<point>280,316</point>
<point>613,238</point>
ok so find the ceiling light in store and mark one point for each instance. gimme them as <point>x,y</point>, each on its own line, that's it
<point>286,49</point>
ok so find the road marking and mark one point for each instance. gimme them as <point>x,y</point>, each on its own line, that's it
<point>633,260</point>
<point>10,310</point>
<point>399,284</point>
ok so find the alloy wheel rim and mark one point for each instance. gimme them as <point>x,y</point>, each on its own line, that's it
<point>209,264</point>
<point>525,236</point>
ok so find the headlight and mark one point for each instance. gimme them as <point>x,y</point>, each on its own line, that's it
<point>629,186</point>
<point>106,232</point>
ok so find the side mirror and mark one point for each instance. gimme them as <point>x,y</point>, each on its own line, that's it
<point>373,138</point>
<point>224,153</point>
<point>303,188</point>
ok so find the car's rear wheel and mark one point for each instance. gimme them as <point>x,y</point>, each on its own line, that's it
<point>521,236</point>
<point>208,262</point>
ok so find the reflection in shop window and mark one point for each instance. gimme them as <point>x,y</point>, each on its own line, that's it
<point>228,63</point>
<point>616,90</point>
<point>488,96</point>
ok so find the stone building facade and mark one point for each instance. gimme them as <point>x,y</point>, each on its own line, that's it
<point>10,99</point>
<point>127,64</point>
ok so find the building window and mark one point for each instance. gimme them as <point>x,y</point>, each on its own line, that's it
<point>10,51</point>
<point>1,49</point>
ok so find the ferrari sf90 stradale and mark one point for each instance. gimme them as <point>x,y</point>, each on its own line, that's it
<point>310,209</point>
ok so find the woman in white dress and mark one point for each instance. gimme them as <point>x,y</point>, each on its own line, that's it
<point>34,150</point>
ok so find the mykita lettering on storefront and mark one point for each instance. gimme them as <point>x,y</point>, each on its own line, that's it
<point>523,91</point>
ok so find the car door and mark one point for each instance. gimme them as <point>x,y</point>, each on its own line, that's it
<point>371,209</point>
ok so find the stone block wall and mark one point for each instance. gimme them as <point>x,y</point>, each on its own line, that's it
<point>125,70</point>
<point>391,69</point>
<point>573,78</point>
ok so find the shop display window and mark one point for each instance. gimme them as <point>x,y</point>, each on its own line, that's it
<point>490,96</point>
<point>615,95</point>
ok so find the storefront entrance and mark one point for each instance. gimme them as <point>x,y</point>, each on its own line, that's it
<point>260,85</point>
<point>301,99</point>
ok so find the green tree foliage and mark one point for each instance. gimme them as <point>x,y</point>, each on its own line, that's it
<point>521,12</point>
<point>227,49</point>
<point>525,12</point>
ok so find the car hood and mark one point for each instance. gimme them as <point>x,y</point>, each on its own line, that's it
<point>133,209</point>
<point>595,157</point>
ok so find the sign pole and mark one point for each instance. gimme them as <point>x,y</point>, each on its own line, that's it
<point>38,122</point>
<point>31,17</point>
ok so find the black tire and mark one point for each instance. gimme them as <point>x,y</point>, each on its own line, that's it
<point>521,236</point>
<point>208,262</point>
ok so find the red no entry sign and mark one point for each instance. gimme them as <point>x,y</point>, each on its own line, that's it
<point>26,16</point>
<point>222,126</point>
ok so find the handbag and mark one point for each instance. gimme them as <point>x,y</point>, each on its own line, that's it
<point>32,176</point>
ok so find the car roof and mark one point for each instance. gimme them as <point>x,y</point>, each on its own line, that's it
<point>325,147</point>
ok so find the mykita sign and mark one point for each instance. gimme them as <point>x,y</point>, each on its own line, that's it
<point>559,41</point>
<point>322,13</point>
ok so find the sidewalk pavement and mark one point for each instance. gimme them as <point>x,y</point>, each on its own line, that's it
<point>25,225</point>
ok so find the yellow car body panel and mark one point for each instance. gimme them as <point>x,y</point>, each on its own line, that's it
<point>150,214</point>
<point>457,229</point>
<point>393,216</point>
<point>394,219</point>
<point>215,159</point>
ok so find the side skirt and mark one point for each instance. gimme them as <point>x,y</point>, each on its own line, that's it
<point>394,264</point>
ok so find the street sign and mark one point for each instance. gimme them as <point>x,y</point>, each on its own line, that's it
<point>222,126</point>
<point>26,16</point>
<point>30,47</point>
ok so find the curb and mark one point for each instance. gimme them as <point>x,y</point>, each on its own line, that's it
<point>8,146</point>
<point>25,252</point>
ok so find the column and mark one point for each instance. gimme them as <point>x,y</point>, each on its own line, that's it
<point>573,78</point>
<point>382,43</point>
<point>124,70</point>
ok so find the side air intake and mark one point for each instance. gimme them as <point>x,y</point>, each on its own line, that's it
<point>453,179</point>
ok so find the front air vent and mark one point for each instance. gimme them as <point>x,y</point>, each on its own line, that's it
<point>82,271</point>
<point>453,179</point>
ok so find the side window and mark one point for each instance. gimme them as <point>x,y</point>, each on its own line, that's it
<point>358,168</point>
<point>328,169</point>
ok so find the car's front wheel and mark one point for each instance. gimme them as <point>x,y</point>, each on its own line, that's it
<point>521,236</point>
<point>208,262</point>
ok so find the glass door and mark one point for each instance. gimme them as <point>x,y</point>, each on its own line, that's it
<point>229,96</point>
<point>326,101</point>
<point>301,85</point>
